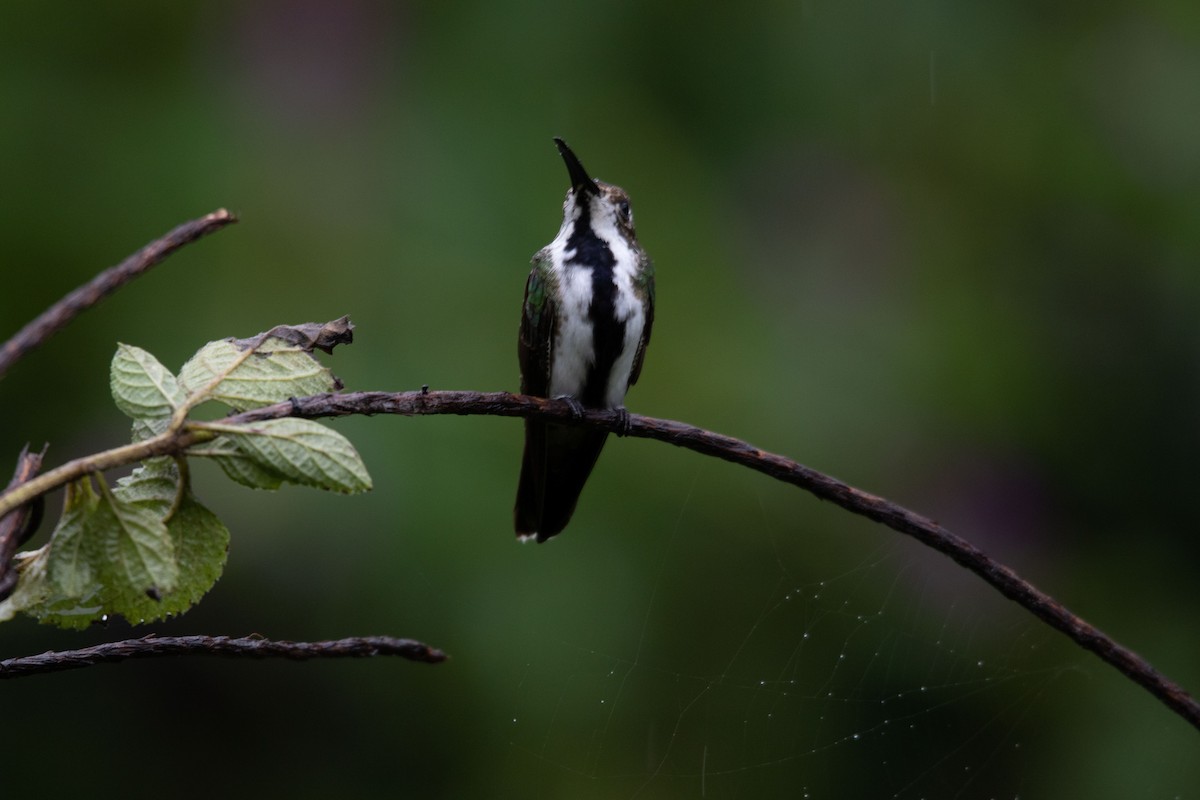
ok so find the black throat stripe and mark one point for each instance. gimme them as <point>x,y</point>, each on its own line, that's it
<point>608,334</point>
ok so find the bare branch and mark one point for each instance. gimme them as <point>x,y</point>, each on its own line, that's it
<point>104,284</point>
<point>246,647</point>
<point>825,487</point>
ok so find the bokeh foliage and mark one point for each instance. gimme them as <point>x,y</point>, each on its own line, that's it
<point>945,251</point>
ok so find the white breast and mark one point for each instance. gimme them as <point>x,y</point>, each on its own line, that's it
<point>574,348</point>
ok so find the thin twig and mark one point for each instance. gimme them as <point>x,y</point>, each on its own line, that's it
<point>246,647</point>
<point>164,444</point>
<point>104,284</point>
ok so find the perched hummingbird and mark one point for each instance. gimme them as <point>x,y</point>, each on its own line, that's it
<point>589,307</point>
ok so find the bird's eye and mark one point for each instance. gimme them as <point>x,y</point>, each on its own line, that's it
<point>625,211</point>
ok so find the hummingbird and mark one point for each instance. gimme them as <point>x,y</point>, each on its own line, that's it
<point>585,324</point>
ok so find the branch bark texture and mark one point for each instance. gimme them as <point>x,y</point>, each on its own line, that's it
<point>17,526</point>
<point>727,448</point>
<point>244,647</point>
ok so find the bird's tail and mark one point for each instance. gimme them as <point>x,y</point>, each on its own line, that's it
<point>557,462</point>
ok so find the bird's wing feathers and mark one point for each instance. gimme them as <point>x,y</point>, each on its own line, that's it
<point>533,347</point>
<point>537,327</point>
<point>644,283</point>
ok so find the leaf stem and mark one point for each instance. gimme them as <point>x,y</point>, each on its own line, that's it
<point>169,443</point>
<point>200,395</point>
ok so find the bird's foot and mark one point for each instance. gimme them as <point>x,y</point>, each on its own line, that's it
<point>624,425</point>
<point>575,406</point>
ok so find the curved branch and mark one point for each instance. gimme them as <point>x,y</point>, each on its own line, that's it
<point>58,315</point>
<point>825,487</point>
<point>245,647</point>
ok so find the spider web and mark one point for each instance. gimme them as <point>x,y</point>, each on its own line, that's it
<point>873,669</point>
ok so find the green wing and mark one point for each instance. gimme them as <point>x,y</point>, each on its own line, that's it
<point>537,327</point>
<point>644,284</point>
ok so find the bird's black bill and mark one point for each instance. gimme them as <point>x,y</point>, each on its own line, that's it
<point>579,176</point>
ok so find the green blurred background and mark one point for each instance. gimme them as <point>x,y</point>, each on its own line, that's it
<point>945,251</point>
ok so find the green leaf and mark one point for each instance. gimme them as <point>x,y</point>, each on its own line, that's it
<point>141,386</point>
<point>71,551</point>
<point>245,470</point>
<point>136,552</point>
<point>35,595</point>
<point>199,543</point>
<point>111,553</point>
<point>154,485</point>
<point>275,371</point>
<point>301,451</point>
<point>63,582</point>
<point>238,465</point>
<point>143,429</point>
<point>33,586</point>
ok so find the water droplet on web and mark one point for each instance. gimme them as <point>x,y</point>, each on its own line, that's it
<point>855,737</point>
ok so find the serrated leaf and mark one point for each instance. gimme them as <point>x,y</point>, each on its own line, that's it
<point>302,451</point>
<point>71,551</point>
<point>141,386</point>
<point>153,485</point>
<point>248,472</point>
<point>33,586</point>
<point>239,466</point>
<point>275,371</point>
<point>136,552</point>
<point>201,546</point>
<point>35,595</point>
<point>200,543</point>
<point>144,429</point>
